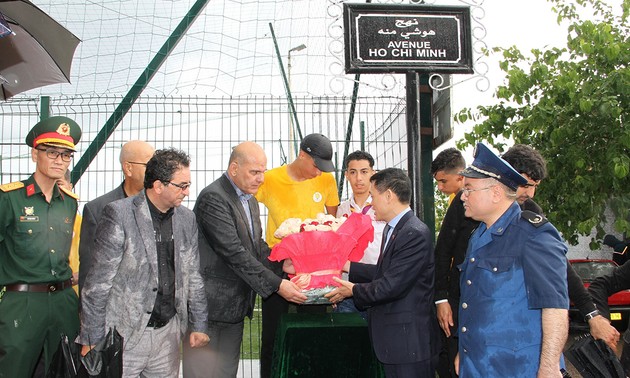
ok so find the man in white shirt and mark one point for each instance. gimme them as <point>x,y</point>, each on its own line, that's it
<point>359,170</point>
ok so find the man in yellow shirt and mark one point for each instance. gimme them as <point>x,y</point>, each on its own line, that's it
<point>301,189</point>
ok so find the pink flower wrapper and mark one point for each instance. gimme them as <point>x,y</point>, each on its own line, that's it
<point>322,254</point>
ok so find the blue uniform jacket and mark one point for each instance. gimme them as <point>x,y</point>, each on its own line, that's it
<point>511,272</point>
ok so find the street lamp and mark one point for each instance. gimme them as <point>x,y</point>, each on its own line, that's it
<point>292,142</point>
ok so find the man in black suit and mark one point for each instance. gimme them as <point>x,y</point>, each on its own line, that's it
<point>531,165</point>
<point>398,291</point>
<point>134,156</point>
<point>450,249</point>
<point>603,287</point>
<point>233,262</point>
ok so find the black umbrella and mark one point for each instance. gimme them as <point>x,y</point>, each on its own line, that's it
<point>594,359</point>
<point>37,51</point>
<point>103,361</point>
<point>65,362</point>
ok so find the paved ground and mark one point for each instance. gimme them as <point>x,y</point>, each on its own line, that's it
<point>246,369</point>
<point>251,368</point>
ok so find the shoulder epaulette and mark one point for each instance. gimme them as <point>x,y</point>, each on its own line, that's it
<point>534,219</point>
<point>12,186</point>
<point>69,192</point>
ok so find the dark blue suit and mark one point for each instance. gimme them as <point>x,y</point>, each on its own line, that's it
<point>398,295</point>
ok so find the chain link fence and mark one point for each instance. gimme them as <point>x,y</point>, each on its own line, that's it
<point>207,129</point>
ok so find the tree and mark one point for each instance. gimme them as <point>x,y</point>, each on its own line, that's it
<point>572,105</point>
<point>441,206</point>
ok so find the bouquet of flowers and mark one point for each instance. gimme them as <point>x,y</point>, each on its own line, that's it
<point>323,222</point>
<point>318,256</point>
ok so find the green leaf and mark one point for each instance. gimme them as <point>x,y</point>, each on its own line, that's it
<point>572,104</point>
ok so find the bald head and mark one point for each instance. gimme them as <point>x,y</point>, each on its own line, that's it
<point>247,151</point>
<point>134,156</point>
<point>247,166</point>
<point>136,150</point>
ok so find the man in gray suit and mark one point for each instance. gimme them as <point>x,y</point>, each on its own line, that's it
<point>133,160</point>
<point>234,262</point>
<point>145,279</point>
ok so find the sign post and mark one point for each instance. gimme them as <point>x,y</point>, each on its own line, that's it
<point>399,38</point>
<point>416,40</point>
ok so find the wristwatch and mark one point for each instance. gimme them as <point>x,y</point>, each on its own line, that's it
<point>591,315</point>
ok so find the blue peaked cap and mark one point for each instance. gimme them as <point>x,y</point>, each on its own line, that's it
<point>489,165</point>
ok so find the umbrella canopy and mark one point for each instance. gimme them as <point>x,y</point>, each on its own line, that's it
<point>38,52</point>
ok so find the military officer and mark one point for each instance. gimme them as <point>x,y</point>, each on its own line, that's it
<point>513,281</point>
<point>37,302</point>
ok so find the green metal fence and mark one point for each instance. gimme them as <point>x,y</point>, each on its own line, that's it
<point>207,129</point>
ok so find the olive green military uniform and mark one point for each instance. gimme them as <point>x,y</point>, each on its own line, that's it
<point>35,239</point>
<point>37,302</point>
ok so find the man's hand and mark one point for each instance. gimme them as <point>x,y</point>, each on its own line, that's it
<point>456,363</point>
<point>445,317</point>
<point>342,292</point>
<point>198,339</point>
<point>602,330</point>
<point>291,292</point>
<point>287,266</point>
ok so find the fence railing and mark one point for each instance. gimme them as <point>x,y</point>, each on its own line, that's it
<point>207,129</point>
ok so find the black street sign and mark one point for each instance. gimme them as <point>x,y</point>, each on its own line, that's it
<point>402,38</point>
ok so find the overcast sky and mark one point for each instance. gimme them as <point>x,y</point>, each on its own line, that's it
<point>229,50</point>
<point>525,24</point>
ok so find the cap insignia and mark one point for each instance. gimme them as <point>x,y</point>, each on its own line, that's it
<point>64,129</point>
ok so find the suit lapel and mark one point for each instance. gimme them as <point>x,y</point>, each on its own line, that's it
<point>236,202</point>
<point>178,239</point>
<point>392,239</point>
<point>142,216</point>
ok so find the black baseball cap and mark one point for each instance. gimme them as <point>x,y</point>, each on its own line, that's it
<point>320,149</point>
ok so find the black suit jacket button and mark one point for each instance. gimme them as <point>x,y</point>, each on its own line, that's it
<point>155,289</point>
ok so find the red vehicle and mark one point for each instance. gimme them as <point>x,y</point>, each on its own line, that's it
<point>619,303</point>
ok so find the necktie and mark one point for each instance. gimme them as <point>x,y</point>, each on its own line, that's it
<point>245,202</point>
<point>385,233</point>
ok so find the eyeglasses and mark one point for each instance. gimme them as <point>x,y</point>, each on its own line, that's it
<point>468,191</point>
<point>136,162</point>
<point>181,186</point>
<point>54,154</point>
